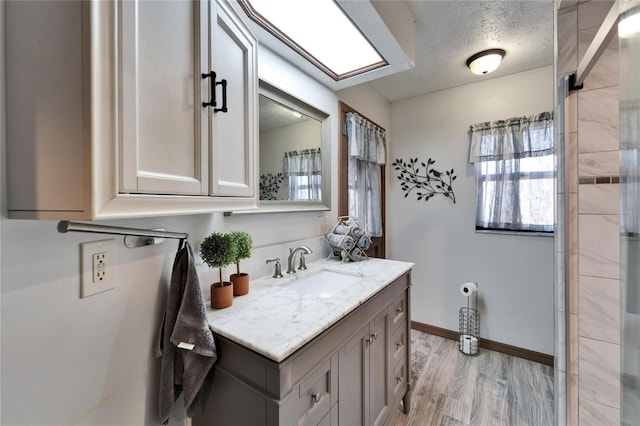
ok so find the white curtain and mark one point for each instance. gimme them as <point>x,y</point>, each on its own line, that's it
<point>367,153</point>
<point>304,173</point>
<point>514,173</point>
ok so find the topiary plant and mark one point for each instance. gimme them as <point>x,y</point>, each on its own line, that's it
<point>243,244</point>
<point>218,250</point>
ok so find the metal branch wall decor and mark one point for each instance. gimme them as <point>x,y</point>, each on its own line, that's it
<point>426,180</point>
<point>270,185</point>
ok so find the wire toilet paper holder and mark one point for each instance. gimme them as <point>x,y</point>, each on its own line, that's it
<point>469,321</point>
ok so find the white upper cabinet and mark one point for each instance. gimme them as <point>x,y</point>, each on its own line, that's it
<point>164,126</point>
<point>108,115</point>
<point>234,59</point>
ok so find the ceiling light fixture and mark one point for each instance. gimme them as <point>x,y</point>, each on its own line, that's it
<point>486,61</point>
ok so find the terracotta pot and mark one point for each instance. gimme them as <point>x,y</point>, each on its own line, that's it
<point>221,295</point>
<point>240,283</point>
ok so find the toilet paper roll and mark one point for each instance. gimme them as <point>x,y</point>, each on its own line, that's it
<point>468,288</point>
<point>469,344</point>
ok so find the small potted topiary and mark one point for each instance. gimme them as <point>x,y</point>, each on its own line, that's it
<point>218,250</point>
<point>243,244</point>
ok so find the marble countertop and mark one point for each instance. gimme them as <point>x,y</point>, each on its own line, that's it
<point>276,321</point>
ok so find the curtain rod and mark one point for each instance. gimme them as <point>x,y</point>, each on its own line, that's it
<point>366,120</point>
<point>67,226</point>
<point>535,118</point>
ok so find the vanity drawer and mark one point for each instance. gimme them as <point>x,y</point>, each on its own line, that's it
<point>398,312</point>
<point>318,393</point>
<point>399,382</point>
<point>398,345</point>
<point>331,419</point>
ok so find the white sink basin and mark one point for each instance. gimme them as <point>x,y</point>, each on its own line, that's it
<point>322,284</point>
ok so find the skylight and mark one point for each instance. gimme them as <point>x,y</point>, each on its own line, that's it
<point>320,31</point>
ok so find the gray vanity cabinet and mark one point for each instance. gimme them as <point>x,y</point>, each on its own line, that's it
<point>363,366</point>
<point>373,367</point>
<point>354,373</point>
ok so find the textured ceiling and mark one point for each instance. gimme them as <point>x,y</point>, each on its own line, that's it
<point>448,32</point>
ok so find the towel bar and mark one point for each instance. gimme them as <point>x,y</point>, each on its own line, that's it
<point>154,236</point>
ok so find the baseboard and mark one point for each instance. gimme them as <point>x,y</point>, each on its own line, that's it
<point>487,344</point>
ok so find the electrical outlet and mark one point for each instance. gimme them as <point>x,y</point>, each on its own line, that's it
<point>98,267</point>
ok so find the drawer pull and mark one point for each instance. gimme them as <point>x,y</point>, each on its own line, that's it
<point>316,396</point>
<point>399,345</point>
<point>399,311</point>
<point>372,338</point>
<point>399,379</point>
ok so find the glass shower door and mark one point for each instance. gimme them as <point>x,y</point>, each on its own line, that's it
<point>629,39</point>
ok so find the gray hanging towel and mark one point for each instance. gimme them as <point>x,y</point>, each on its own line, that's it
<point>185,342</point>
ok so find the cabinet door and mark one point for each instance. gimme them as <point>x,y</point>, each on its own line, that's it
<point>163,52</point>
<point>378,369</point>
<point>353,384</point>
<point>234,131</point>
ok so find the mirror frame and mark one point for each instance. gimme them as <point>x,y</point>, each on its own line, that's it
<point>279,206</point>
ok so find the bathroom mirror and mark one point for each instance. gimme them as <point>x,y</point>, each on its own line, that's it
<point>294,169</point>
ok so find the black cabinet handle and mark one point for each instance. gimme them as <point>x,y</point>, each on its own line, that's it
<point>223,83</point>
<point>212,85</point>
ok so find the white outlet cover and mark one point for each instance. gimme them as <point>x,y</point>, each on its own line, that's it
<point>87,250</point>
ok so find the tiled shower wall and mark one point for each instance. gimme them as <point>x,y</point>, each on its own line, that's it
<point>592,229</point>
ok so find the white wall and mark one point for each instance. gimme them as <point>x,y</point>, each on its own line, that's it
<point>514,273</point>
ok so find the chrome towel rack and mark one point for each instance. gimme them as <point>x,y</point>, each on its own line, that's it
<point>145,236</point>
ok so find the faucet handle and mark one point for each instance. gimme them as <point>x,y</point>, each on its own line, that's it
<point>303,264</point>
<point>277,273</point>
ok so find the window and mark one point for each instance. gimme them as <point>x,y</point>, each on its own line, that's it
<point>305,188</point>
<point>514,165</point>
<point>304,172</point>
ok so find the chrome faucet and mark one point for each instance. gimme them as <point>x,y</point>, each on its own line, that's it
<point>291,269</point>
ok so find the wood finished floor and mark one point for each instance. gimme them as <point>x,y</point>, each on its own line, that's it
<point>453,389</point>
